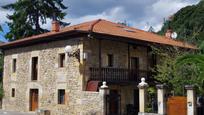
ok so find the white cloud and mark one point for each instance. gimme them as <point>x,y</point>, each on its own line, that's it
<point>3,15</point>
<point>136,12</point>
<point>115,14</point>
<point>155,13</point>
<point>5,2</point>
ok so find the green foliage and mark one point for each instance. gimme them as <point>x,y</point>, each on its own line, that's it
<point>1,29</point>
<point>1,91</point>
<point>1,63</point>
<point>192,67</point>
<point>167,74</point>
<point>188,23</point>
<point>179,69</point>
<point>1,77</point>
<point>176,73</point>
<point>151,91</point>
<point>29,14</point>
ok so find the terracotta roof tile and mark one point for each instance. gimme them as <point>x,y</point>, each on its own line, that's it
<point>110,28</point>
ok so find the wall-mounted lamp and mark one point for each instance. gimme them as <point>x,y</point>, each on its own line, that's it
<point>72,52</point>
<point>68,49</point>
<point>85,55</point>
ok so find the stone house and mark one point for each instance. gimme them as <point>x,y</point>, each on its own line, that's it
<point>62,70</point>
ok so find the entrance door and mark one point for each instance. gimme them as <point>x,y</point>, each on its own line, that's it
<point>135,63</point>
<point>136,100</point>
<point>114,102</point>
<point>134,66</point>
<point>33,99</point>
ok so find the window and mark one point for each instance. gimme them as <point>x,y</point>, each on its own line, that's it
<point>62,60</point>
<point>61,96</point>
<point>34,72</point>
<point>13,92</point>
<point>110,60</point>
<point>14,66</point>
<point>134,63</point>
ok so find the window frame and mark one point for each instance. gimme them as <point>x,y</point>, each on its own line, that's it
<point>13,92</point>
<point>110,60</point>
<point>61,96</point>
<point>14,65</point>
<point>61,60</point>
<point>34,68</point>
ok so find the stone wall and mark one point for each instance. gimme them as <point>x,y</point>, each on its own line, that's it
<point>120,52</point>
<point>118,49</point>
<point>92,103</point>
<point>50,78</point>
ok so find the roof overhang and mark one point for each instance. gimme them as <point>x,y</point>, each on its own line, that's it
<point>42,39</point>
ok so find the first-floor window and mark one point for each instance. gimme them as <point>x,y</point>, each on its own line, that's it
<point>13,92</point>
<point>14,66</point>
<point>61,96</point>
<point>34,71</point>
<point>62,60</point>
<point>110,60</point>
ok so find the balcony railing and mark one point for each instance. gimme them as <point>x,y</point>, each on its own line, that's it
<point>117,74</point>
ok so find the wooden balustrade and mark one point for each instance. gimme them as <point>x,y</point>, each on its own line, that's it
<point>117,74</point>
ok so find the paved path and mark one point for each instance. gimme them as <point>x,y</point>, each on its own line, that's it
<point>14,113</point>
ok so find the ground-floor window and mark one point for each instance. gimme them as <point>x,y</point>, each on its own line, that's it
<point>61,96</point>
<point>13,91</point>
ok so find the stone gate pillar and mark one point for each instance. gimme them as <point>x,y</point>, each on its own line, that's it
<point>191,100</point>
<point>142,95</point>
<point>161,99</point>
<point>104,91</point>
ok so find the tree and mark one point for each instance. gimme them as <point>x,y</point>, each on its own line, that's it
<point>178,68</point>
<point>1,77</point>
<point>196,60</point>
<point>30,14</point>
<point>1,29</point>
<point>188,23</point>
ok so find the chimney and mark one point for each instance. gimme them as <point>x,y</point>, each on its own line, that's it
<point>55,26</point>
<point>168,33</point>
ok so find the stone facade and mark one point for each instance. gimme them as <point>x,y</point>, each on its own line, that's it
<point>50,78</point>
<point>120,52</point>
<point>73,77</point>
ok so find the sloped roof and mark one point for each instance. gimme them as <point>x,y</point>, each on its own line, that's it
<point>109,28</point>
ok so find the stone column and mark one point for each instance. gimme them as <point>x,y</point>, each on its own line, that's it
<point>161,99</point>
<point>103,91</point>
<point>142,95</point>
<point>191,100</point>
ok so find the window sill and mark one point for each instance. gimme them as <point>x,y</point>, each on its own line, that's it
<point>34,80</point>
<point>13,74</point>
<point>62,104</point>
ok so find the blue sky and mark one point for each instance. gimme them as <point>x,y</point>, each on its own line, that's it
<point>138,13</point>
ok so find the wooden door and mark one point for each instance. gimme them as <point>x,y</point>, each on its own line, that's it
<point>134,63</point>
<point>136,100</point>
<point>114,103</point>
<point>134,66</point>
<point>177,105</point>
<point>33,99</point>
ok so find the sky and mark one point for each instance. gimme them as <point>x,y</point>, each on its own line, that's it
<point>137,13</point>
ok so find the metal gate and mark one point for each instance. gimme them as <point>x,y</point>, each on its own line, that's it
<point>176,105</point>
<point>113,104</point>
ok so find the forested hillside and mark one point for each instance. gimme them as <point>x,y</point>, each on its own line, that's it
<point>188,23</point>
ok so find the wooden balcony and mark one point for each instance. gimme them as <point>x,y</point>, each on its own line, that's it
<point>115,75</point>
